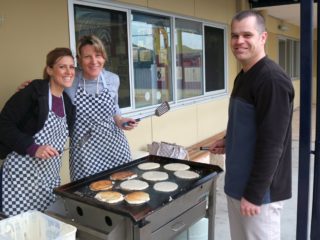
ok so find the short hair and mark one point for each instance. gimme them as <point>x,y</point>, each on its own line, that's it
<point>93,41</point>
<point>55,55</point>
<point>260,21</point>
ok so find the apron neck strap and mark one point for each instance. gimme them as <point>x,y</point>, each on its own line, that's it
<point>97,85</point>
<point>100,78</point>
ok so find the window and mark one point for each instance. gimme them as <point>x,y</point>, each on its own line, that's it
<point>158,57</point>
<point>289,56</point>
<point>214,59</point>
<point>111,27</point>
<point>189,60</point>
<point>296,59</point>
<point>151,59</point>
<point>282,53</point>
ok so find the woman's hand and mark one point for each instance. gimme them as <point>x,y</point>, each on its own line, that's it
<point>125,123</point>
<point>23,85</point>
<point>46,152</point>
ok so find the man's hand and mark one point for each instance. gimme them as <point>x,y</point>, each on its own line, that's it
<point>248,209</point>
<point>218,147</point>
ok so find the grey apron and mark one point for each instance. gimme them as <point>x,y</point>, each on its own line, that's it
<point>28,182</point>
<point>107,147</point>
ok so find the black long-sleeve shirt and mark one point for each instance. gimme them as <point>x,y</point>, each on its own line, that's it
<point>258,147</point>
<point>24,114</point>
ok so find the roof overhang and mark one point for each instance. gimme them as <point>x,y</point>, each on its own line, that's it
<point>270,3</point>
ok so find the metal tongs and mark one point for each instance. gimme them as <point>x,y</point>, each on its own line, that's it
<point>162,109</point>
<point>81,142</point>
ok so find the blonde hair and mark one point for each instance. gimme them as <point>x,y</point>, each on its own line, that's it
<point>93,41</point>
<point>53,56</point>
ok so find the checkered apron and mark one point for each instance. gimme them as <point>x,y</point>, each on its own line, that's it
<point>28,182</point>
<point>107,147</point>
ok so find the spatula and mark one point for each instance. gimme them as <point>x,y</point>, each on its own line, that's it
<point>162,109</point>
<point>81,142</point>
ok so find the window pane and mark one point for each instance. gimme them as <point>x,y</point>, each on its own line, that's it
<point>296,59</point>
<point>111,27</point>
<point>289,58</point>
<point>282,54</point>
<point>151,58</point>
<point>188,58</point>
<point>214,55</point>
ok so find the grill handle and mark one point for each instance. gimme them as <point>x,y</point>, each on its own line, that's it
<point>178,226</point>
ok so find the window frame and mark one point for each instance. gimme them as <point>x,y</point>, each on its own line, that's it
<point>225,50</point>
<point>132,111</point>
<point>175,66</point>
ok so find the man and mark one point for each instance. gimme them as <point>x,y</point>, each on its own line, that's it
<point>258,139</point>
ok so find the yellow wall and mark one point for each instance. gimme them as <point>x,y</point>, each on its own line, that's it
<point>33,28</point>
<point>29,30</point>
<point>296,85</point>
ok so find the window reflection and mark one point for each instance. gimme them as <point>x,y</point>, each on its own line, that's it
<point>111,27</point>
<point>152,79</point>
<point>151,59</point>
<point>289,56</point>
<point>188,58</point>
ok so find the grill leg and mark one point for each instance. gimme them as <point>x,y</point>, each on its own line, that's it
<point>143,233</point>
<point>212,210</point>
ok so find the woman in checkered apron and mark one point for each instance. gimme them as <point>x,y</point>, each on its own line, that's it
<point>95,95</point>
<point>33,131</point>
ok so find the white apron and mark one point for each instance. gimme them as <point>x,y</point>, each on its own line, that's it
<point>107,147</point>
<point>28,182</point>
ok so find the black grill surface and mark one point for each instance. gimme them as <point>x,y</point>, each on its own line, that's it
<point>79,190</point>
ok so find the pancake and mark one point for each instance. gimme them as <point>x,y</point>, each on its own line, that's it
<point>148,166</point>
<point>176,166</point>
<point>165,186</point>
<point>137,197</point>
<point>155,176</point>
<point>109,196</point>
<point>101,185</point>
<point>123,175</point>
<point>186,174</point>
<point>134,185</point>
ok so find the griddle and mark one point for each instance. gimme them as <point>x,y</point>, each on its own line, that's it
<point>79,190</point>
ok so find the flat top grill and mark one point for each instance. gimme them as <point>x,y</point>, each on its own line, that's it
<point>79,190</point>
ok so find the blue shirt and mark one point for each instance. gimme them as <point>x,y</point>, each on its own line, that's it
<point>106,80</point>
